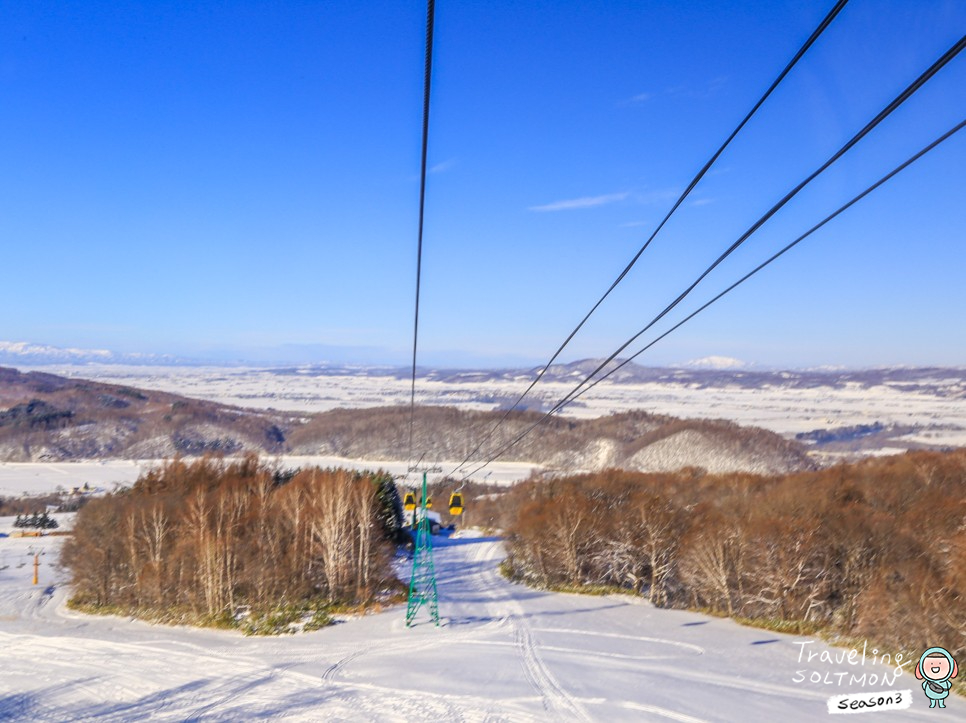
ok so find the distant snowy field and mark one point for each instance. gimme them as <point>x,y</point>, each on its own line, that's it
<point>503,653</point>
<point>784,410</point>
<point>38,478</point>
<point>29,478</point>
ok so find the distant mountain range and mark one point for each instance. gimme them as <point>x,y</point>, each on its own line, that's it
<point>22,353</point>
<point>711,371</point>
<point>27,354</point>
<point>943,381</point>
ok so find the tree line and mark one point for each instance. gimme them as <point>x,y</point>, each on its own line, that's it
<point>28,504</point>
<point>875,549</point>
<point>199,542</point>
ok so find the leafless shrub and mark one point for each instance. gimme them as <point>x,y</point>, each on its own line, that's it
<point>211,536</point>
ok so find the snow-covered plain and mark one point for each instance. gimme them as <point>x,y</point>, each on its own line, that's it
<point>503,653</point>
<point>39,478</point>
<point>782,409</point>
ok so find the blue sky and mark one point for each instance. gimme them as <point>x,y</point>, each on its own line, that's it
<point>229,178</point>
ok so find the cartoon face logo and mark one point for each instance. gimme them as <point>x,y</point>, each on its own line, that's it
<point>935,669</point>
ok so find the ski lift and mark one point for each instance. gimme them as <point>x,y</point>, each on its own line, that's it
<point>409,501</point>
<point>456,503</point>
<point>429,503</point>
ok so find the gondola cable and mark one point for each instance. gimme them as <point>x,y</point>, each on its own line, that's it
<point>422,583</point>
<point>948,134</point>
<point>694,182</point>
<point>427,76</point>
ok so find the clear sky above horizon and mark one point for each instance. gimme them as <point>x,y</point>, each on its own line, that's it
<point>226,179</point>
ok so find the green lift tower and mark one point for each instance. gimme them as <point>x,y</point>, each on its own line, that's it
<point>422,585</point>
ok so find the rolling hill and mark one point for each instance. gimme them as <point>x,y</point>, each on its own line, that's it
<point>45,417</point>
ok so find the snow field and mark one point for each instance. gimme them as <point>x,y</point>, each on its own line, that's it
<point>38,478</point>
<point>785,410</point>
<point>503,653</point>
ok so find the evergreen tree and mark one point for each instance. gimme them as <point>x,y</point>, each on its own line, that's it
<point>390,512</point>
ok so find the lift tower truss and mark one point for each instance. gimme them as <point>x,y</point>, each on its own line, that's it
<point>422,584</point>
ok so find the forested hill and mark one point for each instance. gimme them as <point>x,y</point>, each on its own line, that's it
<point>47,417</point>
<point>631,440</point>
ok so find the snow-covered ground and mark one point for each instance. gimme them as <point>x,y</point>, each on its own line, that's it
<point>501,473</point>
<point>38,478</point>
<point>781,409</point>
<point>503,653</point>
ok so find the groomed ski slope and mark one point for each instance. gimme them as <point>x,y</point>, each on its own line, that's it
<point>503,653</point>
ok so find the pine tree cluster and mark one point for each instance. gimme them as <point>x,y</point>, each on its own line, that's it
<point>36,521</point>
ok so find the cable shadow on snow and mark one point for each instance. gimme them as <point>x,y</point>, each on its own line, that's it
<point>456,620</point>
<point>31,706</point>
<point>443,541</point>
<point>22,706</point>
<point>460,620</point>
<point>205,699</point>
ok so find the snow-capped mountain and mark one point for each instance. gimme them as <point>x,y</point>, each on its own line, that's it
<point>716,362</point>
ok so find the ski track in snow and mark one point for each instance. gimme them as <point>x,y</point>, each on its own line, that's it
<point>502,653</point>
<point>556,700</point>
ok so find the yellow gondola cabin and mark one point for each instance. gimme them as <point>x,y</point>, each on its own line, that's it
<point>409,501</point>
<point>456,503</point>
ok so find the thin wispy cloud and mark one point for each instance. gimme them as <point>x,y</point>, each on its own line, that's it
<point>635,99</point>
<point>443,166</point>
<point>583,202</point>
<point>657,196</point>
<point>702,201</point>
<point>710,89</point>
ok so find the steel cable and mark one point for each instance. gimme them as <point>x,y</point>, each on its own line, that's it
<point>427,76</point>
